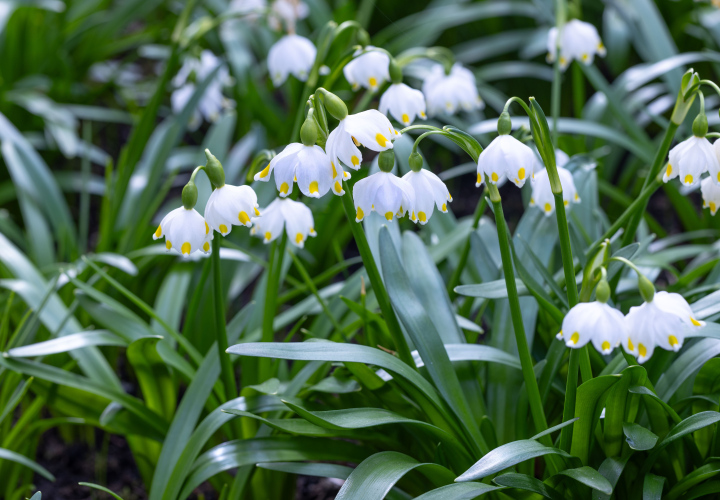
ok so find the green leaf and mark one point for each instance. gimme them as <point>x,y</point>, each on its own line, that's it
<point>688,426</point>
<point>492,290</point>
<point>153,376</point>
<point>616,408</point>
<point>376,475</point>
<point>589,477</point>
<point>653,487</point>
<point>458,491</point>
<point>527,483</point>
<point>638,437</point>
<point>506,456</point>
<point>23,460</point>
<point>68,343</point>
<point>102,488</point>
<point>611,469</point>
<point>309,469</point>
<point>587,410</point>
<point>477,352</point>
<point>686,365</point>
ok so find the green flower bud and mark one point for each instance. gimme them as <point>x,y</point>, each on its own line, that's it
<point>386,160</point>
<point>189,195</point>
<point>308,132</point>
<point>602,292</point>
<point>334,105</point>
<point>504,126</point>
<point>416,161</point>
<point>647,290</point>
<point>396,75</point>
<point>700,125</point>
<point>214,170</point>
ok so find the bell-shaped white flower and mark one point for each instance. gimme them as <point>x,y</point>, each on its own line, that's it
<point>309,166</point>
<point>403,103</point>
<point>292,54</point>
<point>542,195</point>
<point>578,40</point>
<point>212,101</point>
<point>450,93</point>
<point>185,231</point>
<point>710,194</point>
<point>430,191</point>
<point>505,157</point>
<point>594,322</point>
<point>690,159</point>
<point>714,167</point>
<point>294,216</point>
<point>288,12</point>
<point>369,128</point>
<point>661,322</point>
<point>386,194</point>
<point>231,206</point>
<point>369,69</point>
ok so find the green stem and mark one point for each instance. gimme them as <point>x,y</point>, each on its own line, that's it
<point>274,271</point>
<point>455,278</point>
<point>226,367</point>
<point>376,282</point>
<point>570,397</point>
<point>555,103</point>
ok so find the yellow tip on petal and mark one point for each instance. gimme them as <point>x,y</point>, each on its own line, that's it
<point>268,235</point>
<point>605,346</point>
<point>206,246</point>
<point>359,215</point>
<point>672,339</point>
<point>265,172</point>
<point>168,245</point>
<point>575,337</point>
<point>158,232</point>
<point>422,114</point>
<point>332,164</point>
<point>718,177</point>
<point>548,207</point>
<point>388,215</point>
<point>585,57</point>
<point>631,347</point>
<point>372,81</point>
<point>405,119</point>
<point>185,248</point>
<point>338,187</point>
<point>479,178</point>
<point>355,160</point>
<point>357,143</point>
<point>713,207</point>
<point>243,217</point>
<point>668,171</point>
<point>695,322</point>
<point>313,187</point>
<point>422,217</point>
<point>284,188</point>
<point>494,177</point>
<point>298,238</point>
<point>688,179</point>
<point>642,350</point>
<point>223,228</point>
<point>381,140</point>
<point>521,173</point>
<point>566,203</point>
<point>207,228</point>
<point>444,207</point>
<point>257,212</point>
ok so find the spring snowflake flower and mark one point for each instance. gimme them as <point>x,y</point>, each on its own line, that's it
<point>231,206</point>
<point>661,322</point>
<point>690,159</point>
<point>404,103</point>
<point>579,41</point>
<point>386,194</point>
<point>288,12</point>
<point>309,166</point>
<point>292,54</point>
<point>370,128</point>
<point>505,157</point>
<point>369,69</point>
<point>710,194</point>
<point>212,101</point>
<point>594,322</point>
<point>293,215</point>
<point>449,93</point>
<point>430,191</point>
<point>185,231</point>
<point>542,195</point>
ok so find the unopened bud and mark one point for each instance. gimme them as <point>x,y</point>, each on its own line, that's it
<point>396,75</point>
<point>189,195</point>
<point>700,125</point>
<point>647,290</point>
<point>415,161</point>
<point>386,160</point>
<point>334,105</point>
<point>602,292</point>
<point>214,170</point>
<point>504,126</point>
<point>308,132</point>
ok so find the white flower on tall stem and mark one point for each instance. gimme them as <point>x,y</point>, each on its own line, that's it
<point>384,192</point>
<point>403,103</point>
<point>594,322</point>
<point>292,54</point>
<point>429,190</point>
<point>710,194</point>
<point>185,231</point>
<point>448,93</point>
<point>661,322</point>
<point>578,40</point>
<point>542,195</point>
<point>231,206</point>
<point>505,157</point>
<point>369,69</point>
<point>690,159</point>
<point>294,216</point>
<point>195,70</point>
<point>369,128</point>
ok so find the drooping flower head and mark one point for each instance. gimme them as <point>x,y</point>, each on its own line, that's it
<point>384,193</point>
<point>369,128</point>
<point>690,159</point>
<point>185,231</point>
<point>448,93</point>
<point>542,195</point>
<point>193,71</point>
<point>505,157</point>
<point>369,69</point>
<point>292,54</point>
<point>595,322</point>
<point>294,216</point>
<point>309,166</point>
<point>429,190</point>
<point>579,41</point>
<point>403,103</point>
<point>710,194</point>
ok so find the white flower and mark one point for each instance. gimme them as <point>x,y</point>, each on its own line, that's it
<point>293,215</point>
<point>710,194</point>
<point>561,159</point>
<point>292,54</point>
<point>448,93</point>
<point>542,195</point>
<point>404,103</point>
<point>231,206</point>
<point>370,128</point>
<point>309,166</point>
<point>369,69</point>
<point>690,159</point>
<point>251,10</point>
<point>714,167</point>
<point>594,322</point>
<point>185,230</point>
<point>661,322</point>
<point>386,194</point>
<point>429,191</point>
<point>505,157</point>
<point>287,11</point>
<point>579,41</point>
<point>212,101</point>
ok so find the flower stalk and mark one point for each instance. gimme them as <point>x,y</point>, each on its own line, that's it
<point>221,339</point>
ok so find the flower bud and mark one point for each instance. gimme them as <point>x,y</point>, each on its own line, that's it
<point>214,170</point>
<point>700,125</point>
<point>602,292</point>
<point>189,195</point>
<point>504,126</point>
<point>396,75</point>
<point>386,160</point>
<point>647,290</point>
<point>334,105</point>
<point>308,132</point>
<point>415,161</point>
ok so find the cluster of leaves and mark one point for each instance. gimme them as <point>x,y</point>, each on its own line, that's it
<point>101,329</point>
